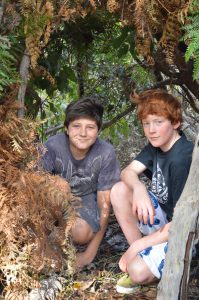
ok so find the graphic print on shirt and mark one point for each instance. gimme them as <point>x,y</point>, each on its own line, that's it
<point>158,186</point>
<point>84,181</point>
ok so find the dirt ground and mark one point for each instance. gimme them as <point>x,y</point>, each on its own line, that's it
<point>98,280</point>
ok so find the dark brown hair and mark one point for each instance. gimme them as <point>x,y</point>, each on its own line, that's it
<point>84,107</point>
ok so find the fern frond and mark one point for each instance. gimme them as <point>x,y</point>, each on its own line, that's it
<point>15,145</point>
<point>196,65</point>
<point>8,74</point>
<point>192,27</point>
<point>191,37</point>
<point>192,48</point>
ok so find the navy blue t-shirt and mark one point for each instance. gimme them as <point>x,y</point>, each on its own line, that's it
<point>168,171</point>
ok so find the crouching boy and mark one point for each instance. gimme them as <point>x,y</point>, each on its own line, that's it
<point>90,165</point>
<point>145,215</point>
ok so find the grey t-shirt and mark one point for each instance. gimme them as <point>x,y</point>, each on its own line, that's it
<point>98,171</point>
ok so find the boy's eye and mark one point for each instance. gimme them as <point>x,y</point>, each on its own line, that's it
<point>155,122</point>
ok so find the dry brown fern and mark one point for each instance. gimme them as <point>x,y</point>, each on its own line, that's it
<point>41,71</point>
<point>159,18</point>
<point>38,26</point>
<point>41,17</point>
<point>36,213</point>
<point>170,37</point>
<point>113,5</point>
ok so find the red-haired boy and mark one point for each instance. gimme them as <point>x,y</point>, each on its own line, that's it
<point>145,215</point>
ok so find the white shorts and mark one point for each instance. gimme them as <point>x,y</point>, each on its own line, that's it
<point>154,256</point>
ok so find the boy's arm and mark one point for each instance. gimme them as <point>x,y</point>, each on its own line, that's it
<point>142,207</point>
<point>86,257</point>
<point>158,237</point>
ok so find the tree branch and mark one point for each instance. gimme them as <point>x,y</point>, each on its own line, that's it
<point>190,99</point>
<point>118,117</point>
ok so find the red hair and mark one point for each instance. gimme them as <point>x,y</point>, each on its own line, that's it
<point>157,102</point>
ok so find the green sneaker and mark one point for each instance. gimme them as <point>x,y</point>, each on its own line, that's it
<point>125,285</point>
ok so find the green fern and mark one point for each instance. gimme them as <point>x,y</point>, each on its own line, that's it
<point>192,37</point>
<point>8,74</point>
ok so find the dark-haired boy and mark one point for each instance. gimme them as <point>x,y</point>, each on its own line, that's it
<point>145,216</point>
<point>90,166</point>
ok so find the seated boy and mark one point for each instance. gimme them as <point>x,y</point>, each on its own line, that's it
<point>145,216</point>
<point>90,166</point>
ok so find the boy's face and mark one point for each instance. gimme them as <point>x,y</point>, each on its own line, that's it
<point>82,135</point>
<point>160,132</point>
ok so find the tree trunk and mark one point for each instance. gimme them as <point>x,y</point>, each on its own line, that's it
<point>80,76</point>
<point>185,226</point>
<point>24,74</point>
<point>1,10</point>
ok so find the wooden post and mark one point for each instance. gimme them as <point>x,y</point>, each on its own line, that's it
<point>185,225</point>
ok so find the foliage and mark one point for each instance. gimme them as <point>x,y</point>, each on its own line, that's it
<point>107,69</point>
<point>8,73</point>
<point>61,37</point>
<point>36,210</point>
<point>116,132</point>
<point>192,38</point>
<point>157,24</point>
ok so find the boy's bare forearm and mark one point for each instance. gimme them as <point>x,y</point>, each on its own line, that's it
<point>103,199</point>
<point>94,244</point>
<point>130,178</point>
<point>130,175</point>
<point>158,237</point>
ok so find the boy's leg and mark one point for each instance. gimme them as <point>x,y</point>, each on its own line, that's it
<point>140,272</point>
<point>145,268</point>
<point>148,265</point>
<point>82,232</point>
<point>87,222</point>
<point>121,199</point>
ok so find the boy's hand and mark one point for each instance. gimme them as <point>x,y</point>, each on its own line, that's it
<point>142,206</point>
<point>123,264</point>
<point>83,259</point>
<point>127,257</point>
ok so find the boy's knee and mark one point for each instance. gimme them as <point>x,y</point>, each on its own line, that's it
<point>117,192</point>
<point>139,271</point>
<point>136,272</point>
<point>82,232</point>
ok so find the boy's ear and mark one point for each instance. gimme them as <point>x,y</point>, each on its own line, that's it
<point>177,125</point>
<point>66,129</point>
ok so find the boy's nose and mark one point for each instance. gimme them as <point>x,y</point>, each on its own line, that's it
<point>151,127</point>
<point>83,131</point>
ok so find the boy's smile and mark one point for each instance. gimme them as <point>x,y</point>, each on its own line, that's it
<point>160,131</point>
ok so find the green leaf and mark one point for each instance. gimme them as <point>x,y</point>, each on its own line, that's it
<point>52,107</point>
<point>123,50</point>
